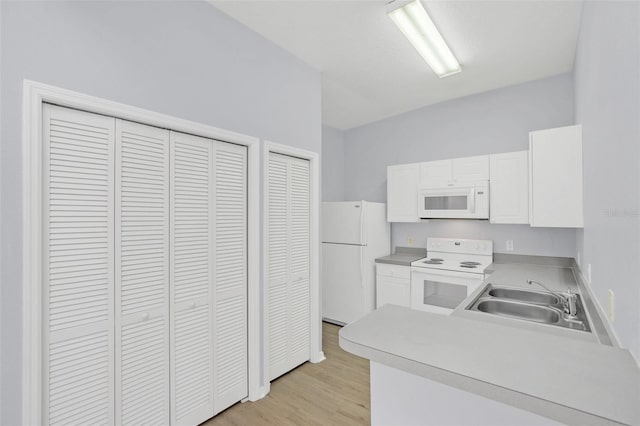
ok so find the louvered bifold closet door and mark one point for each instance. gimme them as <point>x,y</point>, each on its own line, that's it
<point>78,278</point>
<point>299,272</point>
<point>192,273</point>
<point>288,234</point>
<point>230,275</point>
<point>142,274</point>
<point>277,264</point>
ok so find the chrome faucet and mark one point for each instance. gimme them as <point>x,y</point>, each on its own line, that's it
<point>568,299</point>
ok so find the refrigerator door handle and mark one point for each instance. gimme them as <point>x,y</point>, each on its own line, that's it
<point>362,219</point>
<point>362,267</point>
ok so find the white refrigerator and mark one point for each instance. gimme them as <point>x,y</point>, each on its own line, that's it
<point>354,234</point>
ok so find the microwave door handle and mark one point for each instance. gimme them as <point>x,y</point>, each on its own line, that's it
<point>472,200</point>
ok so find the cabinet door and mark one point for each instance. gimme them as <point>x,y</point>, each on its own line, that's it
<point>192,277</point>
<point>394,291</point>
<point>402,193</point>
<point>509,187</point>
<point>230,275</point>
<point>78,278</point>
<point>142,274</point>
<point>556,177</point>
<point>436,173</point>
<point>471,168</point>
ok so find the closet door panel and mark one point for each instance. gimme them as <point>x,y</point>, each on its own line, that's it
<point>299,272</point>
<point>192,273</point>
<point>230,275</point>
<point>277,264</point>
<point>142,274</point>
<point>78,332</point>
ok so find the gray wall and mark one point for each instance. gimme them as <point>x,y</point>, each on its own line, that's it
<point>491,122</point>
<point>607,99</point>
<point>185,59</point>
<point>332,164</point>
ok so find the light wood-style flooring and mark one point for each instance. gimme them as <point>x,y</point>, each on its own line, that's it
<point>332,392</point>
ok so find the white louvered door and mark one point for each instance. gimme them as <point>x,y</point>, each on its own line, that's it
<point>230,275</point>
<point>142,274</point>
<point>277,264</point>
<point>299,269</point>
<point>209,276</point>
<point>192,235</point>
<point>145,273</point>
<point>288,273</point>
<point>78,279</point>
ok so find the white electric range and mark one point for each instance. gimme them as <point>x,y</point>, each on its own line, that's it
<point>452,270</point>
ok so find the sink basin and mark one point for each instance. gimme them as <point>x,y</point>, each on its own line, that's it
<point>524,295</point>
<point>536,313</point>
<point>529,305</point>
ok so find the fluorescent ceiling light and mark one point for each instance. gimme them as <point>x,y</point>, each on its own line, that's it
<point>418,27</point>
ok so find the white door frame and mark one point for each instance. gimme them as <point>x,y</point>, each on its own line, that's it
<point>34,95</point>
<point>315,339</point>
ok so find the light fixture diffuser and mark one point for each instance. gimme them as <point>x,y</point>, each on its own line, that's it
<point>417,26</point>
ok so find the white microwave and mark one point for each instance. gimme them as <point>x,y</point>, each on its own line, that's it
<point>459,200</point>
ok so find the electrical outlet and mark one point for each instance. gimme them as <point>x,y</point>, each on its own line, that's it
<point>612,305</point>
<point>411,241</point>
<point>509,245</point>
<point>589,273</point>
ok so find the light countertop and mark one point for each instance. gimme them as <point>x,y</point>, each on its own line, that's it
<point>553,373</point>
<point>403,256</point>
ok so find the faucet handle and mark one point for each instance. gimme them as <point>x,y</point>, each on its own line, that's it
<point>571,305</point>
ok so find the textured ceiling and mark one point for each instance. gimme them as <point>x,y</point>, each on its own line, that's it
<point>370,71</point>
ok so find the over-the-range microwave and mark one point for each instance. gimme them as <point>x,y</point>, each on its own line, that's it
<point>455,200</point>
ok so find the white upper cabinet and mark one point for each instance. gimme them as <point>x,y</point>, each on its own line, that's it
<point>471,168</point>
<point>436,172</point>
<point>402,193</point>
<point>555,182</point>
<point>509,193</point>
<point>444,172</point>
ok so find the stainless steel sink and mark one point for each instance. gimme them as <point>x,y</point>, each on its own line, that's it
<point>534,306</point>
<point>536,313</point>
<point>537,297</point>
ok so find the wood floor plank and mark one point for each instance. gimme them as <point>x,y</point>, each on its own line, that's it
<point>332,392</point>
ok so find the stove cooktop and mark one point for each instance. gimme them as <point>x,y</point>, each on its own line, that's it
<point>470,256</point>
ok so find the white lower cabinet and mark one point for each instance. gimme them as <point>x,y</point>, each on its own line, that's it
<point>145,283</point>
<point>393,285</point>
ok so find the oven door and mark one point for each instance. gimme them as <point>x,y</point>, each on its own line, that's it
<point>440,291</point>
<point>446,202</point>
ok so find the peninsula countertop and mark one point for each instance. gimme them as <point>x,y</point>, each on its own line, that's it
<point>573,380</point>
